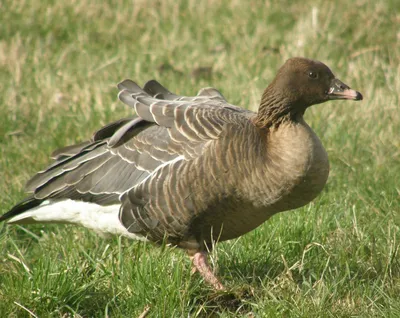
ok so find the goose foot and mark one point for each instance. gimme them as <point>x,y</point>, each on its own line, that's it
<point>200,264</point>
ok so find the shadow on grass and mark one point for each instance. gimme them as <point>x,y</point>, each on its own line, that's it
<point>252,270</point>
<point>243,278</point>
<point>214,303</point>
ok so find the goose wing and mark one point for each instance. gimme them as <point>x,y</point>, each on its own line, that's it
<point>136,161</point>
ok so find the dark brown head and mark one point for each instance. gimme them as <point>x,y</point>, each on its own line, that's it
<point>300,83</point>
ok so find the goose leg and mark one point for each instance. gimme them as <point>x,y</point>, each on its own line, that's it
<point>201,265</point>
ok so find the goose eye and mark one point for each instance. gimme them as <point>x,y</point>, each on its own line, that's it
<point>312,75</point>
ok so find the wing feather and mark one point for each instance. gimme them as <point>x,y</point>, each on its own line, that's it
<point>142,161</point>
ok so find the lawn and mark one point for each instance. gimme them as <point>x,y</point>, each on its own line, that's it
<point>337,257</point>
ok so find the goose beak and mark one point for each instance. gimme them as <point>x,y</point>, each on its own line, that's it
<point>339,90</point>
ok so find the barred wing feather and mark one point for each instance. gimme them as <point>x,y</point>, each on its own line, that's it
<point>142,162</point>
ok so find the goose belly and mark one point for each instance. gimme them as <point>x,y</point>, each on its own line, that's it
<point>102,219</point>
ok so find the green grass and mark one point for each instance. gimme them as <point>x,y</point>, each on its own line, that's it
<point>336,257</point>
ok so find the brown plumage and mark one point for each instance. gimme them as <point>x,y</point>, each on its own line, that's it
<point>192,170</point>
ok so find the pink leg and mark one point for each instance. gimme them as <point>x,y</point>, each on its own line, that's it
<point>200,263</point>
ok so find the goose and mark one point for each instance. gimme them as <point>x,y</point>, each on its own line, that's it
<point>191,171</point>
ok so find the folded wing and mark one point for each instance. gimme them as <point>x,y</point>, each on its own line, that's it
<point>129,160</point>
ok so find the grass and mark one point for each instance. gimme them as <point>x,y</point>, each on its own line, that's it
<point>336,257</point>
